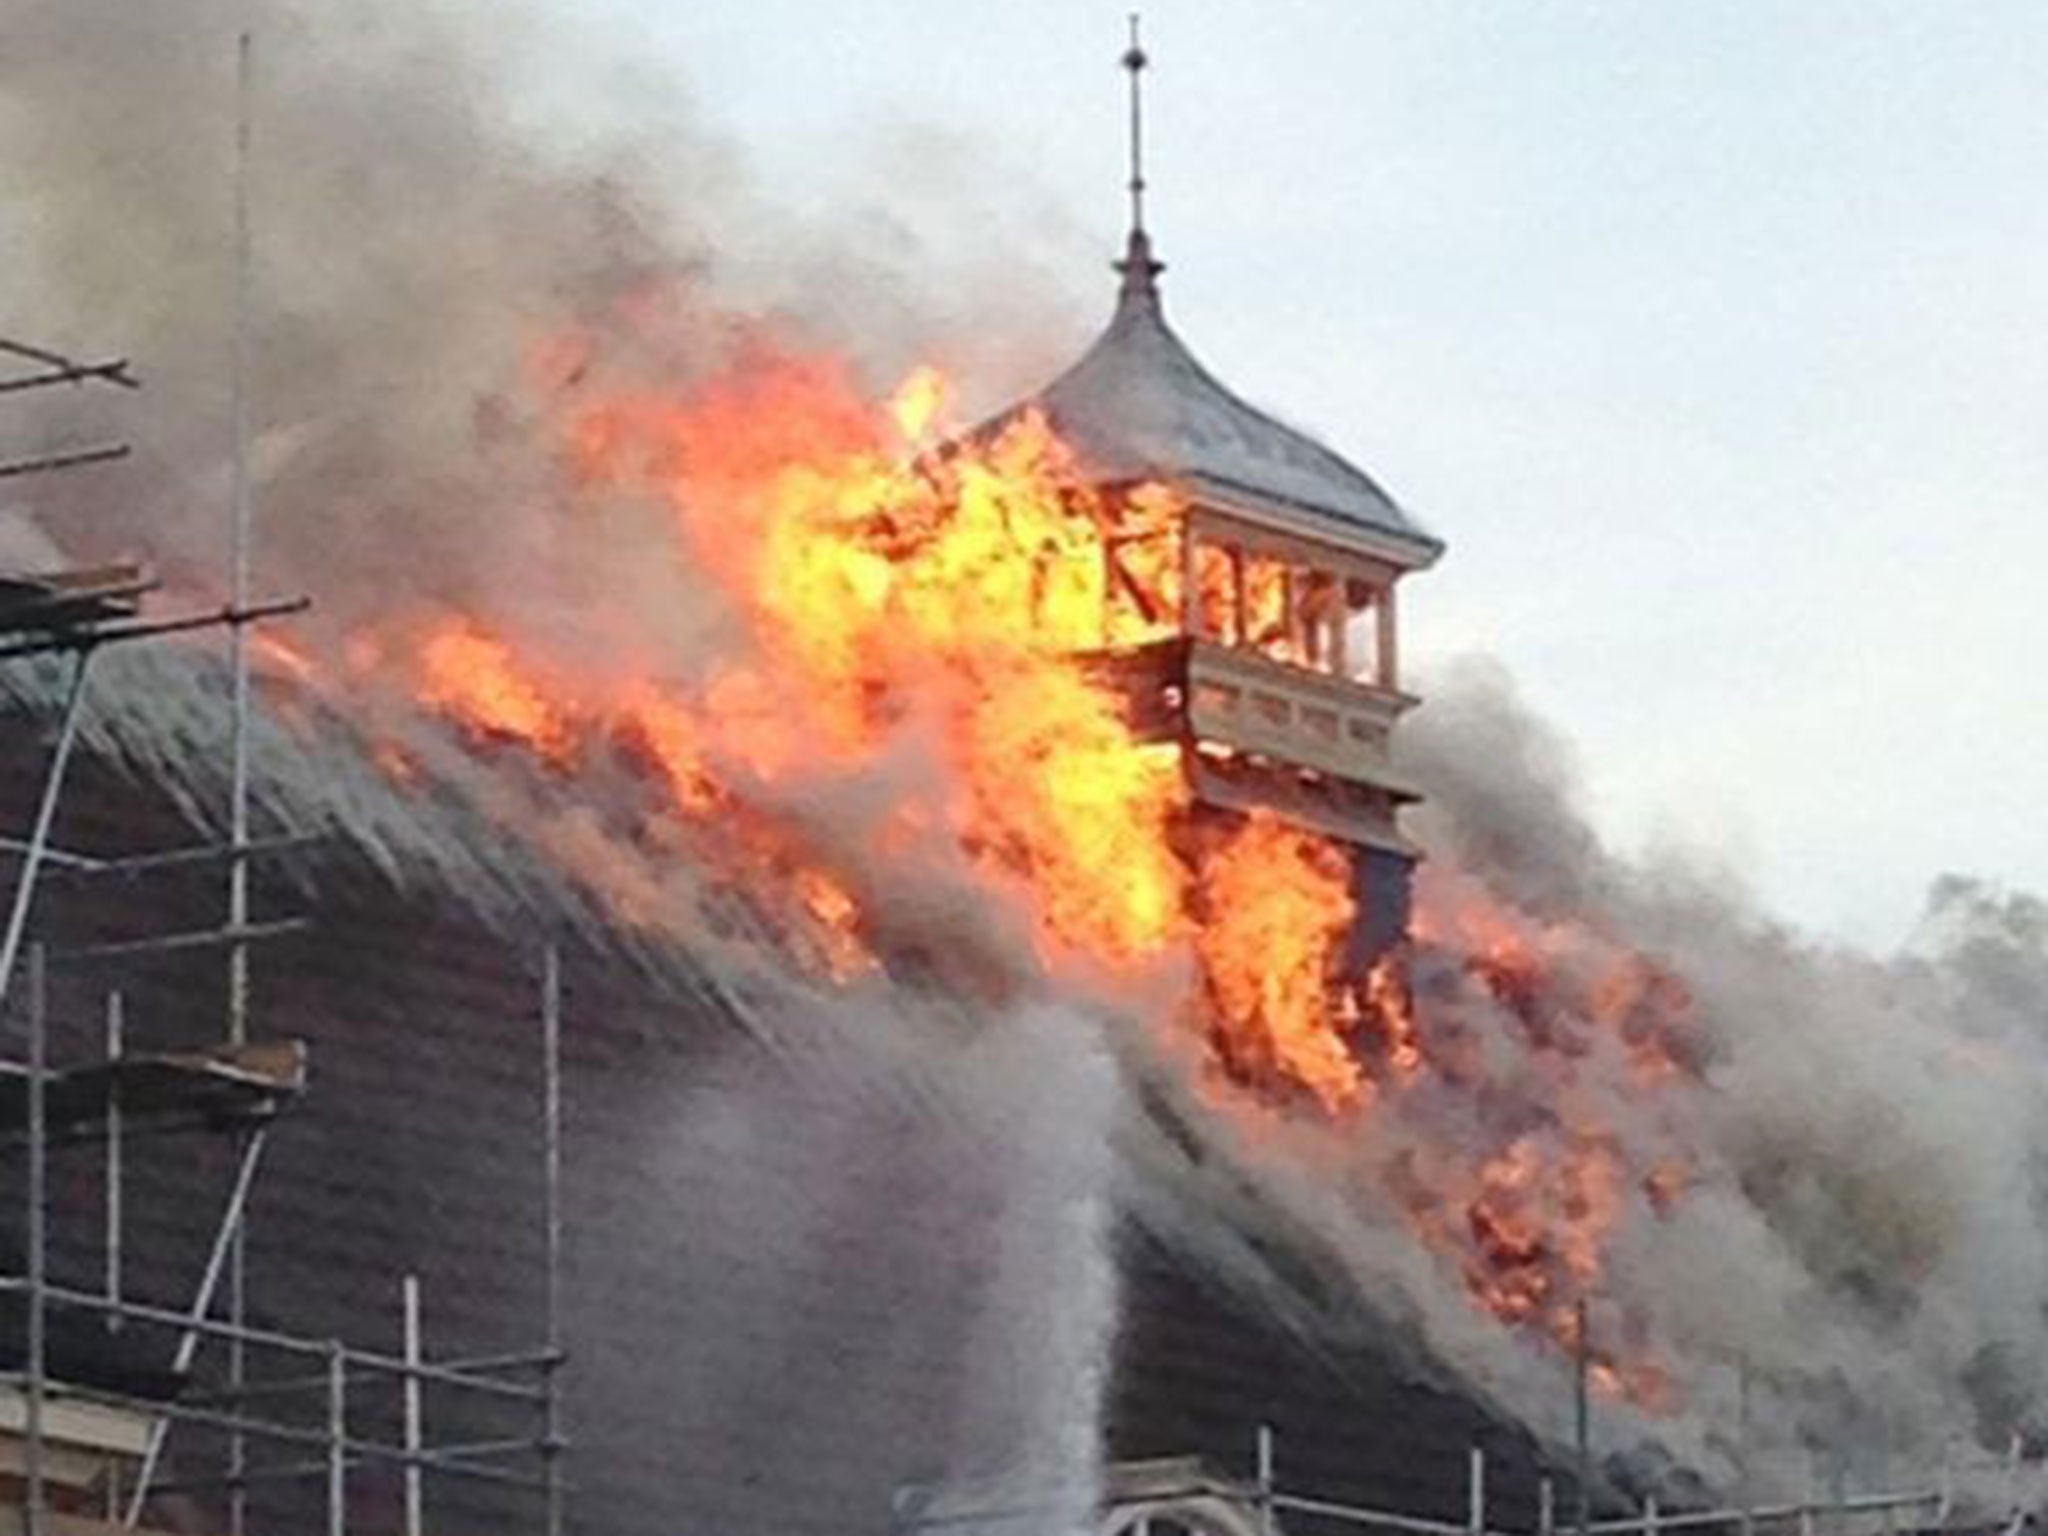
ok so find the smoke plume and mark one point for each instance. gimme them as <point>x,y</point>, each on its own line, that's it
<point>454,207</point>
<point>1860,1232</point>
<point>443,196</point>
<point>1818,1172</point>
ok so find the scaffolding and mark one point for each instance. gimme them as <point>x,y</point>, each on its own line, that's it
<point>86,1447</point>
<point>1184,1496</point>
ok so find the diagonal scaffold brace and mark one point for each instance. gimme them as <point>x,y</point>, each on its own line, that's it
<point>46,815</point>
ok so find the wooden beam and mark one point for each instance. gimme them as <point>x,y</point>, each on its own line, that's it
<point>1219,525</point>
<point>1340,628</point>
<point>1290,630</point>
<point>1240,619</point>
<point>1388,640</point>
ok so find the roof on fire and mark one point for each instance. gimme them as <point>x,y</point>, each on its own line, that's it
<point>1139,405</point>
<point>709,1357</point>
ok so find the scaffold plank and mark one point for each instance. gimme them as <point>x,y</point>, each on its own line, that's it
<point>227,1084</point>
<point>44,602</point>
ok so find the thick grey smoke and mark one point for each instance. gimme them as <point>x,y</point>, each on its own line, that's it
<point>1862,1229</point>
<point>1843,1283</point>
<point>450,202</point>
<point>446,195</point>
<point>1861,1232</point>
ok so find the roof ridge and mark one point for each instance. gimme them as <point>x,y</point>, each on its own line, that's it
<point>1139,404</point>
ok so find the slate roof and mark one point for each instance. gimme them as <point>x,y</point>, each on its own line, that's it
<point>1138,405</point>
<point>778,1293</point>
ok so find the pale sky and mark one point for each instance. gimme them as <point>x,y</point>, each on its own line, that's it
<point>1713,336</point>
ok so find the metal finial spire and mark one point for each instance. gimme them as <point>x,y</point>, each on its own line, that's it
<point>1134,62</point>
<point>1138,267</point>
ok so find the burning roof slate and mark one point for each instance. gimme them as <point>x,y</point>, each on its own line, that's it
<point>419,899</point>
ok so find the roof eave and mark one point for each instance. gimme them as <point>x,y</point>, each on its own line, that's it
<point>1411,550</point>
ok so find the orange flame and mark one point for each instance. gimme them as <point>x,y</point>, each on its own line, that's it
<point>478,681</point>
<point>1277,904</point>
<point>1531,1219</point>
<point>905,628</point>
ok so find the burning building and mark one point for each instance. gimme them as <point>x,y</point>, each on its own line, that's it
<point>965,873</point>
<point>993,1238</point>
<point>955,1291</point>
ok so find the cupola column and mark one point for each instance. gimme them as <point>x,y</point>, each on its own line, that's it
<point>1386,638</point>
